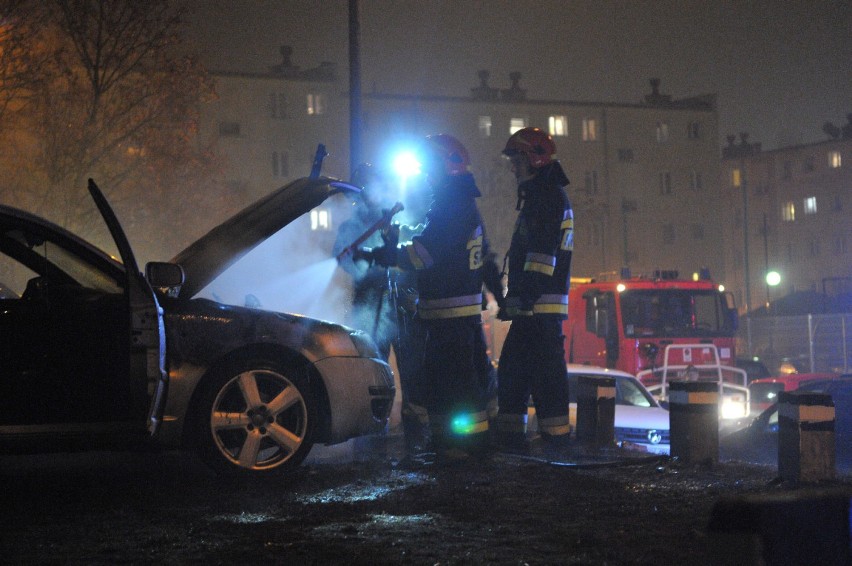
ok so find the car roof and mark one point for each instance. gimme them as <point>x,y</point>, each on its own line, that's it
<point>796,377</point>
<point>574,369</point>
<point>820,384</point>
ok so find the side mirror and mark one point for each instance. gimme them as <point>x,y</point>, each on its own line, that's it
<point>162,275</point>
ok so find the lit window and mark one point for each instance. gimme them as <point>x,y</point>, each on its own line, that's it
<point>788,212</point>
<point>693,131</point>
<point>665,183</point>
<point>320,219</point>
<point>485,126</point>
<point>278,106</point>
<point>662,132</point>
<point>516,124</point>
<point>558,125</point>
<point>834,159</point>
<point>590,129</point>
<point>316,104</point>
<point>736,178</point>
<point>668,233</point>
<point>695,182</point>
<point>280,164</point>
<point>810,205</point>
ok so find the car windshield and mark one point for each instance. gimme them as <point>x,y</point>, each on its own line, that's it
<point>630,392</point>
<point>672,312</point>
<point>765,392</point>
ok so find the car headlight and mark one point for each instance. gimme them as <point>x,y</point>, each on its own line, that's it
<point>364,344</point>
<point>733,409</point>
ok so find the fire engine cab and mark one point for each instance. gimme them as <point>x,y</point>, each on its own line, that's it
<point>628,322</point>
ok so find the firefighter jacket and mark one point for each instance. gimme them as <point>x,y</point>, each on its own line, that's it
<point>539,256</point>
<point>448,255</point>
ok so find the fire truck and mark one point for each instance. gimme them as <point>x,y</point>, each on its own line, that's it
<point>658,327</point>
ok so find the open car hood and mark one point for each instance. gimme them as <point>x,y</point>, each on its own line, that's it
<point>224,245</point>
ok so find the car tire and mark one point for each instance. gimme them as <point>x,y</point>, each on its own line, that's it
<point>255,417</point>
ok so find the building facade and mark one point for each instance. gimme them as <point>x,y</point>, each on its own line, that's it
<point>644,176</point>
<point>788,213</point>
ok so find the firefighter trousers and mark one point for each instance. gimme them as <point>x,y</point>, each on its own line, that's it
<point>456,389</point>
<point>532,362</point>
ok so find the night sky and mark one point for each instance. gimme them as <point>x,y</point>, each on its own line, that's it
<point>780,68</point>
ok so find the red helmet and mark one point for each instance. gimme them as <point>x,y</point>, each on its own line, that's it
<point>446,154</point>
<point>534,143</point>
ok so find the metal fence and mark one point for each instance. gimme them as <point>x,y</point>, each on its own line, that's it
<point>811,343</point>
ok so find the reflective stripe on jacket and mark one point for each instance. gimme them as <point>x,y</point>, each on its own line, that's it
<point>448,254</point>
<point>542,244</point>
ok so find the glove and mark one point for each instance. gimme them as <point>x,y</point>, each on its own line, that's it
<point>363,254</point>
<point>390,235</point>
<point>384,256</point>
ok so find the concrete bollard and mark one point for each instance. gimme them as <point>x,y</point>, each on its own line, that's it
<point>596,411</point>
<point>798,527</point>
<point>805,436</point>
<point>694,421</point>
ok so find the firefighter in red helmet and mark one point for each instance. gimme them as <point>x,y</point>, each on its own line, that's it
<point>452,260</point>
<point>532,361</point>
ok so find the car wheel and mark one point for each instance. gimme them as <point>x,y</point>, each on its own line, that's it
<point>254,418</point>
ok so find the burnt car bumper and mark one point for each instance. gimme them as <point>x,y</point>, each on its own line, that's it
<point>375,380</point>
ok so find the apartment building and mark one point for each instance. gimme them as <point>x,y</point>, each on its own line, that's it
<point>788,213</point>
<point>644,175</point>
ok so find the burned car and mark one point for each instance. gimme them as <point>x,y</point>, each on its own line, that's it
<point>97,355</point>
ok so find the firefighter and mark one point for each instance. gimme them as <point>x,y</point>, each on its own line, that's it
<point>371,311</point>
<point>383,301</point>
<point>539,259</point>
<point>449,257</point>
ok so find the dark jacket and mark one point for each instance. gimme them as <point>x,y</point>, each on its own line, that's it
<point>449,254</point>
<point>542,243</point>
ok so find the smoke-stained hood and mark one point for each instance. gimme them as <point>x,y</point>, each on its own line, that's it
<point>225,244</point>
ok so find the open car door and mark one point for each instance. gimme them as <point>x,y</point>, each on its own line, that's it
<point>147,332</point>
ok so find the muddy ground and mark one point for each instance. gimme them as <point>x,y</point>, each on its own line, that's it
<point>364,507</point>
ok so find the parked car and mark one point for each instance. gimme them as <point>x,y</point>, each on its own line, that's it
<point>640,421</point>
<point>758,442</point>
<point>765,391</point>
<point>755,369</point>
<point>96,354</point>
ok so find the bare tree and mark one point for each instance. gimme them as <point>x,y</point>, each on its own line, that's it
<point>114,97</point>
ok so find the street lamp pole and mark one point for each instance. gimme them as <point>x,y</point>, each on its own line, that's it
<point>746,266</point>
<point>354,86</point>
<point>766,257</point>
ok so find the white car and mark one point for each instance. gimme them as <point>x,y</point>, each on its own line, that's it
<point>640,421</point>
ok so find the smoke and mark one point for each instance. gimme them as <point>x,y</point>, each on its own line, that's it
<point>293,271</point>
